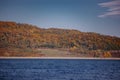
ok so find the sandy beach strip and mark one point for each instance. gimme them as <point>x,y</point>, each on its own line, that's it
<point>59,58</point>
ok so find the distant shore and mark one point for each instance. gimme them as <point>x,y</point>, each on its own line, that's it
<point>59,58</point>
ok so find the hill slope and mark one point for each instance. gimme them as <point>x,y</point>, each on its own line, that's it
<point>16,35</point>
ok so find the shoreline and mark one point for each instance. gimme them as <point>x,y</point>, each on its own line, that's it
<point>91,58</point>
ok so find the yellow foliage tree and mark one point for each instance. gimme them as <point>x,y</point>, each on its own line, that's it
<point>107,54</point>
<point>73,48</point>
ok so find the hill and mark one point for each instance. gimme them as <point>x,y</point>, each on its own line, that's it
<point>25,36</point>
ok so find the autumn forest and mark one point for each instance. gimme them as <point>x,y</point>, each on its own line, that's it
<point>18,39</point>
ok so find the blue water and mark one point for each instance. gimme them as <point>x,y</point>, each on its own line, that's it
<point>59,69</point>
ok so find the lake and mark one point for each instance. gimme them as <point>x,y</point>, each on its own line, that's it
<point>59,69</point>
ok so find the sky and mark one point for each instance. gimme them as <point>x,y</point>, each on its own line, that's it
<point>100,16</point>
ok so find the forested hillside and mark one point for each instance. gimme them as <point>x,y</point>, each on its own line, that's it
<point>17,35</point>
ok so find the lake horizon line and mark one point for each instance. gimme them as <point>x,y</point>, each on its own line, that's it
<point>91,58</point>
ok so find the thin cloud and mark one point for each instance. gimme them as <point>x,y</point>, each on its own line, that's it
<point>113,8</point>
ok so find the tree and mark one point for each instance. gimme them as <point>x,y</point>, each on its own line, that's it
<point>107,54</point>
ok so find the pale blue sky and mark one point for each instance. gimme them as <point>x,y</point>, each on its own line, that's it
<point>101,16</point>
